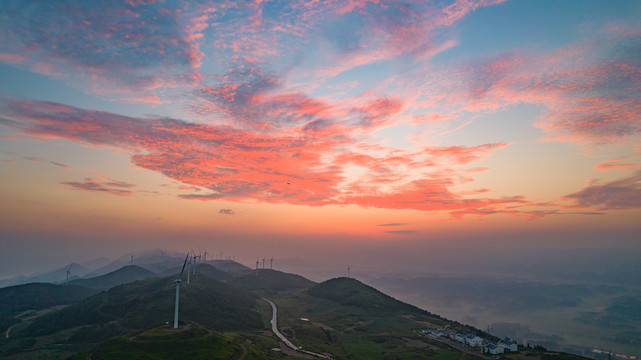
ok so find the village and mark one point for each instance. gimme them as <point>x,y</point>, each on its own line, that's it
<point>452,337</point>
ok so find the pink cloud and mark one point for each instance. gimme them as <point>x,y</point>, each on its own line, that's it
<point>296,167</point>
<point>463,154</point>
<point>616,164</point>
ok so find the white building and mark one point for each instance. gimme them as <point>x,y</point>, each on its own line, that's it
<point>492,349</point>
<point>473,340</point>
<point>508,345</point>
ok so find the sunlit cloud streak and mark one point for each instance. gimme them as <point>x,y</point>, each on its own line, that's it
<point>241,165</point>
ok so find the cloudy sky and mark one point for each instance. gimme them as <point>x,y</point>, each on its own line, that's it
<point>299,126</point>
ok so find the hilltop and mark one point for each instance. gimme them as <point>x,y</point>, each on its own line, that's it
<point>123,275</point>
<point>191,341</point>
<point>351,292</point>
<point>270,280</point>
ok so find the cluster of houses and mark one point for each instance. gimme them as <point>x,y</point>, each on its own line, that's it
<point>503,346</point>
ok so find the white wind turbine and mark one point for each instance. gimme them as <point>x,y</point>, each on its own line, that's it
<point>189,269</point>
<point>178,283</point>
<point>68,275</point>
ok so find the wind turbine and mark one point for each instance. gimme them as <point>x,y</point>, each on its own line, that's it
<point>271,263</point>
<point>132,259</point>
<point>178,283</point>
<point>188,270</point>
<point>68,274</point>
<point>194,264</point>
<point>256,266</point>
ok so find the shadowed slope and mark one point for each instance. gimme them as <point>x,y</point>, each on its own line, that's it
<point>38,296</point>
<point>125,274</point>
<point>191,341</point>
<point>274,280</point>
<point>348,291</point>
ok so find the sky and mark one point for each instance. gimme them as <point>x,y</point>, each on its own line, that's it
<point>318,129</point>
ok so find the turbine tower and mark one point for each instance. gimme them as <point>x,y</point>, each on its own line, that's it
<point>132,259</point>
<point>178,283</point>
<point>271,263</point>
<point>189,269</point>
<point>68,274</point>
<point>194,263</point>
<point>256,266</point>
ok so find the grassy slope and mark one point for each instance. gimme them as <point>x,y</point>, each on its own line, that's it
<point>38,296</point>
<point>123,275</point>
<point>351,320</point>
<point>190,342</point>
<point>148,302</point>
<point>267,280</point>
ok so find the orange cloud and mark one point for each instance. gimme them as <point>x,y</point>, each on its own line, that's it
<point>239,165</point>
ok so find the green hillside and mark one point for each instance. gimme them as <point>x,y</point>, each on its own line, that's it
<point>342,318</point>
<point>149,302</point>
<point>272,280</point>
<point>228,266</point>
<point>37,296</point>
<point>212,272</point>
<point>6,322</point>
<point>351,320</point>
<point>123,275</point>
<point>348,291</point>
<point>191,341</point>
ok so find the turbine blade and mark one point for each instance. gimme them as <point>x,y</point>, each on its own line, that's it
<point>185,287</point>
<point>185,263</point>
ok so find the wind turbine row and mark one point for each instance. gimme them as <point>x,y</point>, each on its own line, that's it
<point>271,263</point>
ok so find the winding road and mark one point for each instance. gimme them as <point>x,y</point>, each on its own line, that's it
<point>283,338</point>
<point>6,335</point>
